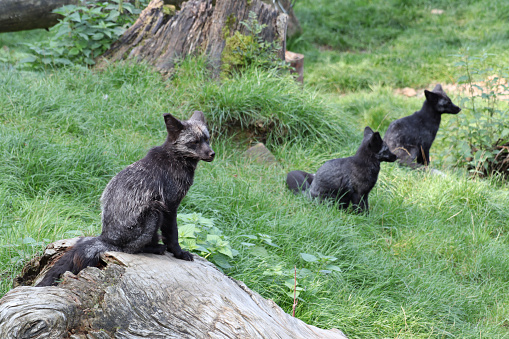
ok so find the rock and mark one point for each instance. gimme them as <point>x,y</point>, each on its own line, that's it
<point>407,91</point>
<point>260,154</point>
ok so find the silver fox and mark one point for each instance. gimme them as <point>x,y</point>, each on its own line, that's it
<point>143,198</point>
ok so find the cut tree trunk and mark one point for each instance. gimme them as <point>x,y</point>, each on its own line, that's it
<point>144,296</point>
<point>286,6</point>
<point>20,15</point>
<point>201,26</point>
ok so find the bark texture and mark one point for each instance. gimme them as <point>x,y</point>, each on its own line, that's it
<point>147,296</point>
<point>201,26</point>
<point>286,6</point>
<point>17,15</point>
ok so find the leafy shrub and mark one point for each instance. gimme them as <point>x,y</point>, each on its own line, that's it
<point>84,33</point>
<point>480,136</point>
<point>198,234</point>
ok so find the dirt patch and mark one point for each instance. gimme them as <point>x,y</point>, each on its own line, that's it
<point>493,83</point>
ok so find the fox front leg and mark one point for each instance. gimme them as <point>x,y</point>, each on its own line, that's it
<point>169,232</point>
<point>360,203</point>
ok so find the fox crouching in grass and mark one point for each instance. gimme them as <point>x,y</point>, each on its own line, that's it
<point>346,180</point>
<point>143,199</point>
<point>411,137</point>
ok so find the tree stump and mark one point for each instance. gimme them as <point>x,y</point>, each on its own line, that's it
<point>145,296</point>
<point>160,37</point>
<point>296,61</point>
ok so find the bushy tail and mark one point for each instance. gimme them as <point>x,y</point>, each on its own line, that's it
<point>299,181</point>
<point>86,252</point>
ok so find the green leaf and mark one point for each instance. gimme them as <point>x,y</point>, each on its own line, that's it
<point>187,231</point>
<point>260,251</point>
<point>28,59</point>
<point>97,36</point>
<point>308,257</point>
<point>221,261</point>
<point>63,61</point>
<point>74,17</point>
<point>333,268</point>
<point>74,51</point>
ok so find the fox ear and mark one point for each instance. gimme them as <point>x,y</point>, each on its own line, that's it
<point>173,126</point>
<point>198,116</point>
<point>375,142</point>
<point>438,89</point>
<point>431,96</point>
<point>367,131</point>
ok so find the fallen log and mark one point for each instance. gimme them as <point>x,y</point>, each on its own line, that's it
<point>144,296</point>
<point>16,15</point>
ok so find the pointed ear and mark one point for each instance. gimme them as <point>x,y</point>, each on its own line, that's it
<point>431,96</point>
<point>367,131</point>
<point>173,126</point>
<point>438,89</point>
<point>376,142</point>
<point>198,116</point>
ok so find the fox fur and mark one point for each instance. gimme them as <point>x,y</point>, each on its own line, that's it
<point>346,180</point>
<point>411,137</point>
<point>142,200</point>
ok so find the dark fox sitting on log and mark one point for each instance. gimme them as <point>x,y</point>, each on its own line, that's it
<point>410,138</point>
<point>346,180</point>
<point>143,199</point>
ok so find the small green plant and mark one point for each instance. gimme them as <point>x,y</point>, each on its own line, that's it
<point>84,33</point>
<point>321,262</point>
<point>199,235</point>
<point>480,136</point>
<point>241,50</point>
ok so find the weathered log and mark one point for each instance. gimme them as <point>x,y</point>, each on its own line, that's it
<point>145,296</point>
<point>201,26</point>
<point>16,15</point>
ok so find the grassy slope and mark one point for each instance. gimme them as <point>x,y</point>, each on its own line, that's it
<point>430,260</point>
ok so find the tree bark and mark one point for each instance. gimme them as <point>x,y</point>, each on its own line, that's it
<point>286,6</point>
<point>19,15</point>
<point>199,27</point>
<point>145,296</point>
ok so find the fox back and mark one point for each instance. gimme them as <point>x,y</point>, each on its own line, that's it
<point>411,137</point>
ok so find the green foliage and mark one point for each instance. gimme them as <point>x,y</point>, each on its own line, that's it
<point>84,33</point>
<point>271,106</point>
<point>199,235</point>
<point>480,135</point>
<point>242,51</point>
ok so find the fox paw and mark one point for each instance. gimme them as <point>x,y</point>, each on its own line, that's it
<point>184,255</point>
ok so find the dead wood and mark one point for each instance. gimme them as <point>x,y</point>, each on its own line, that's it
<point>16,15</point>
<point>160,37</point>
<point>145,296</point>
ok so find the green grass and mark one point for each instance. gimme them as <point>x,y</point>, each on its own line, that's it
<point>429,260</point>
<point>351,45</point>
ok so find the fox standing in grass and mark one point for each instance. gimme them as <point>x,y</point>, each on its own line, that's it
<point>346,180</point>
<point>143,199</point>
<point>411,137</point>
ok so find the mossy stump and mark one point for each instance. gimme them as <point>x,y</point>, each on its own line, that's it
<point>161,38</point>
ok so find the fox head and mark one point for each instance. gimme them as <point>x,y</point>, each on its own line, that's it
<point>440,101</point>
<point>189,138</point>
<point>377,146</point>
